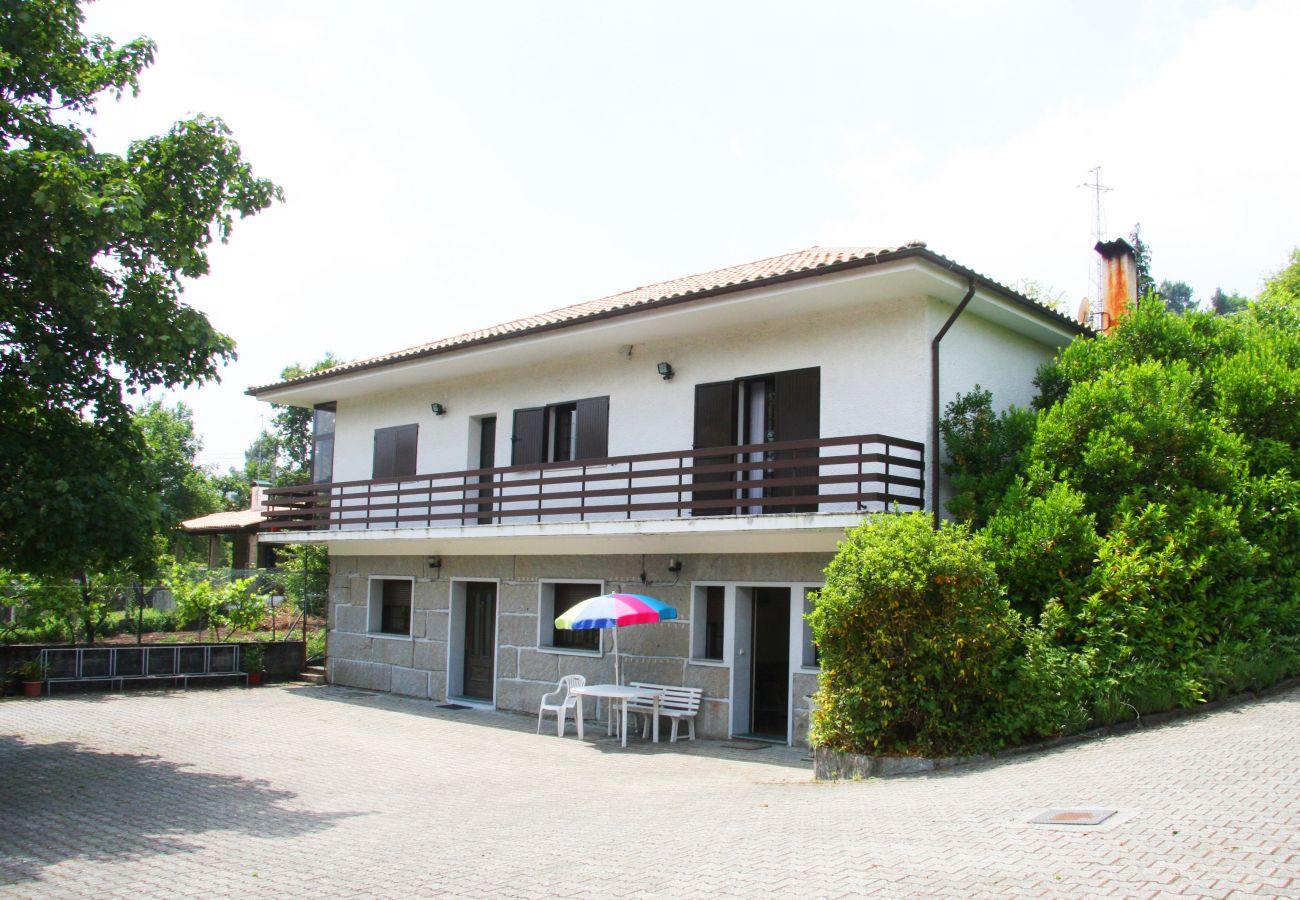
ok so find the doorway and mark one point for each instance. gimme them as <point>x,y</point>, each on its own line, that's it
<point>769,683</point>
<point>471,660</point>
<point>480,628</point>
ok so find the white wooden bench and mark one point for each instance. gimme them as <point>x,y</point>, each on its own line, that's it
<point>676,702</point>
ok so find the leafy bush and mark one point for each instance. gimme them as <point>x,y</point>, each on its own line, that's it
<point>316,643</point>
<point>916,642</point>
<point>986,451</point>
<point>1043,544</point>
<point>205,604</point>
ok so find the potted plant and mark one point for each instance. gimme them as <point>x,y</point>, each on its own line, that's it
<point>251,660</point>
<point>31,675</point>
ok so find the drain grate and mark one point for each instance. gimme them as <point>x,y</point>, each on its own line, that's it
<point>1072,816</point>
<point>453,706</point>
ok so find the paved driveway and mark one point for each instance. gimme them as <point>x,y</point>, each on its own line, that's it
<point>295,791</point>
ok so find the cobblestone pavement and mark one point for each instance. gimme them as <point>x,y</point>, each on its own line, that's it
<point>329,792</point>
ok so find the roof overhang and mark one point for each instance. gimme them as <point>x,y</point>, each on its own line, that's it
<point>914,272</point>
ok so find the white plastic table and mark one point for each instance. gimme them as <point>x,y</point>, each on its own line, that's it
<point>623,693</point>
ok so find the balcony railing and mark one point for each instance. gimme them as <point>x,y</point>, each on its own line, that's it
<point>843,474</point>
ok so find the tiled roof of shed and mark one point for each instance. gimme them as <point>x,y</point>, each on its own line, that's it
<point>786,264</point>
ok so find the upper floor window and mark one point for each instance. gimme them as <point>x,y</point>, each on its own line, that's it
<point>575,430</point>
<point>322,443</point>
<point>395,451</point>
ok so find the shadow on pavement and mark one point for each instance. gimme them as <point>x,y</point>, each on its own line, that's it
<point>596,739</point>
<point>63,801</point>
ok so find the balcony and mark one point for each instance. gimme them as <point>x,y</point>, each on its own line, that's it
<point>846,475</point>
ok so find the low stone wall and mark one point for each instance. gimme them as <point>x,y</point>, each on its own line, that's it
<point>835,765</point>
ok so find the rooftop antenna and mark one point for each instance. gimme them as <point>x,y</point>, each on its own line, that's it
<point>1098,230</point>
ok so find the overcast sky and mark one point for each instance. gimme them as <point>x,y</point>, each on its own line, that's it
<point>452,165</point>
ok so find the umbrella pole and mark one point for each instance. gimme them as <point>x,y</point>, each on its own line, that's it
<point>617,678</point>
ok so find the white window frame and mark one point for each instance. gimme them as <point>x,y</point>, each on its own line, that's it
<point>699,622</point>
<point>546,616</point>
<point>806,649</point>
<point>375,608</point>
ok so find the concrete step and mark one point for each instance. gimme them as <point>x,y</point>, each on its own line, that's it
<point>313,675</point>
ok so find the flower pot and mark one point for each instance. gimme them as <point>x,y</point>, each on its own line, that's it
<point>254,679</point>
<point>33,688</point>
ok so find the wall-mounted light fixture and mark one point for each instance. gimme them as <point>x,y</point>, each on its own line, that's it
<point>438,409</point>
<point>435,563</point>
<point>674,565</point>
<point>666,370</point>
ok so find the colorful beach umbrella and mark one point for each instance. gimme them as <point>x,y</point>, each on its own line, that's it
<point>615,611</point>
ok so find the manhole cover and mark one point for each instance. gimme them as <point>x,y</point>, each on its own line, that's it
<point>1083,816</point>
<point>453,706</point>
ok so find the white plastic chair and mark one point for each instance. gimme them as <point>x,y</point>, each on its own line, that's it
<point>560,701</point>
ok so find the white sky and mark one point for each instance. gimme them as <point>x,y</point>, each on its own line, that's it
<point>453,165</point>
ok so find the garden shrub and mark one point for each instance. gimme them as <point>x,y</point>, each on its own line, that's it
<point>986,451</point>
<point>915,640</point>
<point>1043,545</point>
<point>1152,536</point>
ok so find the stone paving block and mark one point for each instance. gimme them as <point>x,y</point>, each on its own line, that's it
<point>331,791</point>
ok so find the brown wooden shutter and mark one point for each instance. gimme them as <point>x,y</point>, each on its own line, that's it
<point>528,442</point>
<point>798,416</point>
<point>715,414</point>
<point>593,428</point>
<point>395,451</point>
<point>404,451</point>
<point>385,453</point>
<point>798,404</point>
<point>715,426</point>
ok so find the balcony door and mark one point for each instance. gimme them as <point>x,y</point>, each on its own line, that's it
<point>760,409</point>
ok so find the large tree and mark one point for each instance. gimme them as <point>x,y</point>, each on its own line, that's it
<point>94,250</point>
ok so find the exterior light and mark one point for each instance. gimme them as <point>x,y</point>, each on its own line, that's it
<point>666,370</point>
<point>438,409</point>
<point>435,563</point>
<point>674,566</point>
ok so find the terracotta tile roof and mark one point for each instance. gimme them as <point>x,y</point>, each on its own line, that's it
<point>747,274</point>
<point>238,520</point>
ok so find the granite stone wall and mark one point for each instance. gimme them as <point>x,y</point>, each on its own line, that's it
<point>525,668</point>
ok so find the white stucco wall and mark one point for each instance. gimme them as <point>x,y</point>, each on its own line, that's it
<point>873,380</point>
<point>978,352</point>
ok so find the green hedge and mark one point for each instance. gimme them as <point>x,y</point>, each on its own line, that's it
<point>915,639</point>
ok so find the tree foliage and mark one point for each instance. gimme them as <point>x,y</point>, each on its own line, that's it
<point>94,248</point>
<point>184,488</point>
<point>1177,296</point>
<point>1142,253</point>
<point>985,452</point>
<point>1177,440</point>
<point>1150,542</point>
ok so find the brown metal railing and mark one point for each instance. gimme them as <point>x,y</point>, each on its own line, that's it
<point>825,474</point>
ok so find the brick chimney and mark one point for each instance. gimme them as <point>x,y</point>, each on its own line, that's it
<point>1119,280</point>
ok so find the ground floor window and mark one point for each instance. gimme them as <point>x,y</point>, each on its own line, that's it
<point>557,597</point>
<point>708,622</point>
<point>811,658</point>
<point>390,605</point>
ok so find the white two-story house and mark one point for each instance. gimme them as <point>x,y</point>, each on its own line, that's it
<point>705,441</point>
